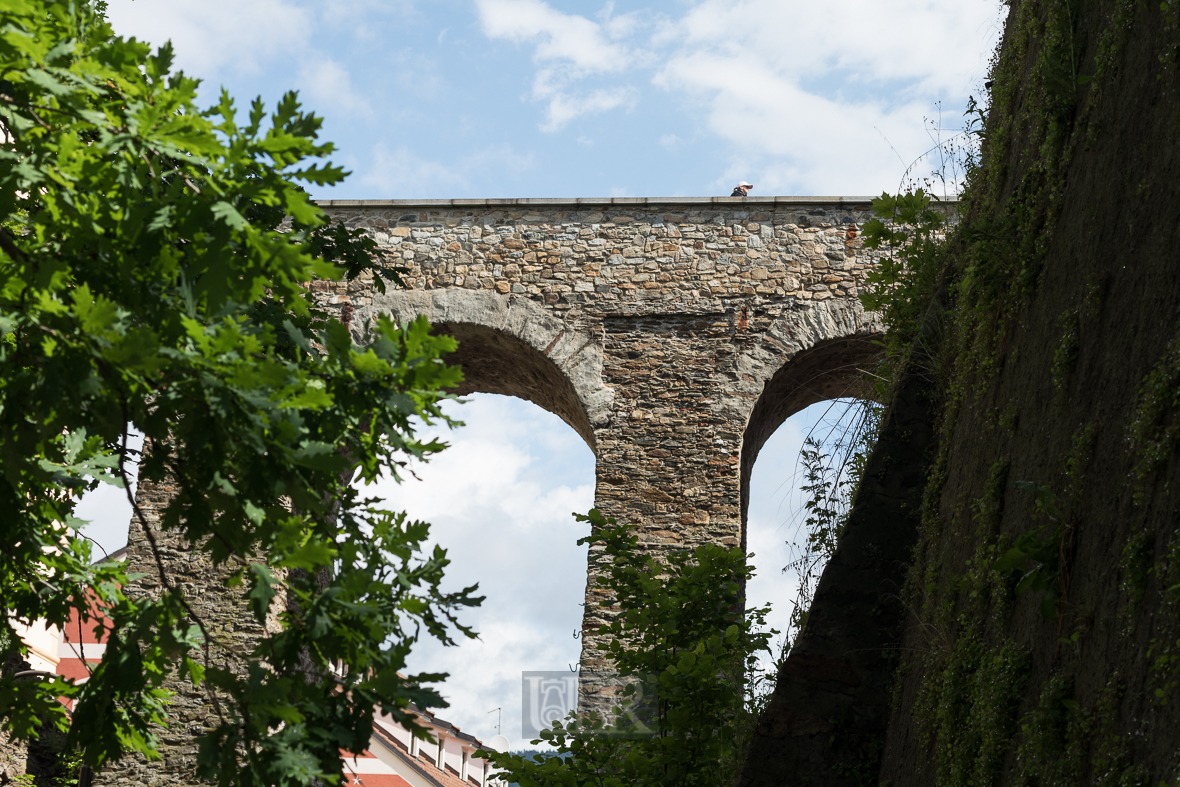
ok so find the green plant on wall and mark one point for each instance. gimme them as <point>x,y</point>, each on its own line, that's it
<point>1036,557</point>
<point>1155,430</point>
<point>832,465</point>
<point>909,228</point>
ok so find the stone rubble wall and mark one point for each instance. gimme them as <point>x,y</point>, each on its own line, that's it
<point>226,616</point>
<point>12,759</point>
<point>654,327</point>
<point>622,256</point>
<point>692,306</point>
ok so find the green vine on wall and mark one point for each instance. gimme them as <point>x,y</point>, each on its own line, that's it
<point>1047,83</point>
<point>909,228</point>
<point>1155,430</point>
<point>1047,554</point>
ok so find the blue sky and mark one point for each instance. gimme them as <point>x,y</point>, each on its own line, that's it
<point>527,98</point>
<point>515,98</point>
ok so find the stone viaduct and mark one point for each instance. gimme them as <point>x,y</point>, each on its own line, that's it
<point>674,335</point>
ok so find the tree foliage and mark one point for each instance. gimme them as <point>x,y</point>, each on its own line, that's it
<point>909,228</point>
<point>686,651</point>
<point>147,281</point>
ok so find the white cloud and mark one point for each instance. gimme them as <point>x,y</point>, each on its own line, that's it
<point>670,141</point>
<point>325,84</point>
<point>568,48</point>
<point>813,103</point>
<point>360,16</point>
<point>485,674</point>
<point>213,37</point>
<point>564,38</point>
<point>791,135</point>
<point>217,39</point>
<point>402,174</point>
<point>619,25</point>
<point>810,101</point>
<point>564,107</point>
<point>937,46</point>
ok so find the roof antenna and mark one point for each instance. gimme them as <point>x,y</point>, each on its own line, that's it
<point>499,717</point>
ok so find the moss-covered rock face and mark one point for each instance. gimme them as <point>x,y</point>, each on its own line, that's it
<point>1040,638</point>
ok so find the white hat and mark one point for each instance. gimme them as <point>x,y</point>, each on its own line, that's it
<point>744,183</point>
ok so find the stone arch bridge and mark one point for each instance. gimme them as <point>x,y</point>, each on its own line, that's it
<point>673,335</point>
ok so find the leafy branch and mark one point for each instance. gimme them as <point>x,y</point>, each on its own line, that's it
<point>154,266</point>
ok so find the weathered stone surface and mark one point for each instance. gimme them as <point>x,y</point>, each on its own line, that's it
<point>12,759</point>
<point>673,336</point>
<point>232,629</point>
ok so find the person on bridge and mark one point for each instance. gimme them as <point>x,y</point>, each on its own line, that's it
<point>742,189</point>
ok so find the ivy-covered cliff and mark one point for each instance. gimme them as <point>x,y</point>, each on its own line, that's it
<point>1004,608</point>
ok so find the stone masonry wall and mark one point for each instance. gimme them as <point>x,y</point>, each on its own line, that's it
<point>232,628</point>
<point>686,310</point>
<point>673,335</point>
<point>620,255</point>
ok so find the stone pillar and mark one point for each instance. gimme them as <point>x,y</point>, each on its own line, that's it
<point>230,624</point>
<point>12,759</point>
<point>668,464</point>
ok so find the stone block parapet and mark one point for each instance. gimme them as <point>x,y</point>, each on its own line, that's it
<point>624,255</point>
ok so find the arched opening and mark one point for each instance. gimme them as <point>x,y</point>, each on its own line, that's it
<point>787,539</point>
<point>810,419</point>
<point>499,500</point>
<point>830,369</point>
<point>498,363</point>
<point>510,345</point>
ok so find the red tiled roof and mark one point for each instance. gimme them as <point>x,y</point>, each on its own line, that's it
<point>422,765</point>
